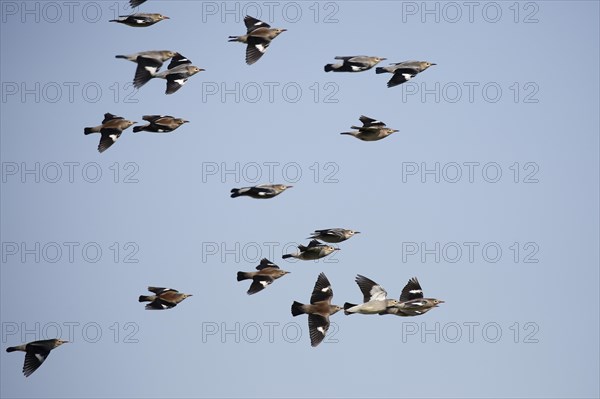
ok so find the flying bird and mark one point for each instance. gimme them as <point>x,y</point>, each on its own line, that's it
<point>258,38</point>
<point>260,191</point>
<point>314,250</point>
<point>319,310</point>
<point>374,298</point>
<point>36,353</point>
<point>412,302</point>
<point>159,124</point>
<point>355,63</point>
<point>403,71</point>
<point>110,130</point>
<point>148,64</point>
<point>163,298</point>
<point>139,20</point>
<point>371,130</point>
<point>332,235</point>
<point>178,72</point>
<point>266,274</point>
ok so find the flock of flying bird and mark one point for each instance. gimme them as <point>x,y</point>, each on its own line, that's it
<point>257,38</point>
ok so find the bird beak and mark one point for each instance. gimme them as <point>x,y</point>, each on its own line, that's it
<point>184,121</point>
<point>289,187</point>
<point>383,59</point>
<point>432,64</point>
<point>337,249</point>
<point>200,69</point>
<point>396,130</point>
<point>284,30</point>
<point>165,17</point>
<point>190,294</point>
<point>357,232</point>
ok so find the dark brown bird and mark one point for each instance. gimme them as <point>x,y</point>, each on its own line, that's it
<point>412,302</point>
<point>266,274</point>
<point>163,298</point>
<point>258,37</point>
<point>140,20</point>
<point>35,353</point>
<point>111,128</point>
<point>371,130</point>
<point>319,310</point>
<point>159,124</point>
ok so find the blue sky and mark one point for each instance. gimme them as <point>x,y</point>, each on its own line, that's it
<point>488,194</point>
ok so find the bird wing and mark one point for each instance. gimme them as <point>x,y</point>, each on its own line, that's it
<point>109,117</point>
<point>257,46</point>
<point>146,68</point>
<point>401,75</point>
<point>253,24</point>
<point>370,289</point>
<point>34,357</point>
<point>264,263</point>
<point>161,290</point>
<point>259,283</point>
<point>177,60</point>
<point>369,122</point>
<point>152,118</point>
<point>313,243</point>
<point>175,81</point>
<point>108,138</point>
<point>412,290</point>
<point>317,326</point>
<point>164,122</point>
<point>349,57</point>
<point>160,304</point>
<point>322,290</point>
<point>135,3</point>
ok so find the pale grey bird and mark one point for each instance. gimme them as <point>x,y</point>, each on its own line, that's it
<point>180,69</point>
<point>140,20</point>
<point>110,130</point>
<point>266,274</point>
<point>163,298</point>
<point>258,38</point>
<point>374,298</point>
<point>159,124</point>
<point>319,310</point>
<point>261,191</point>
<point>333,235</point>
<point>36,352</point>
<point>412,302</point>
<point>314,250</point>
<point>371,130</point>
<point>353,63</point>
<point>148,64</point>
<point>403,71</point>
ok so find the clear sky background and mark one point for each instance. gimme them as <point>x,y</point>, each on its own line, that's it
<point>522,322</point>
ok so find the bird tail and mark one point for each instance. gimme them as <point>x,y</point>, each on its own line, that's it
<point>349,133</point>
<point>114,20</point>
<point>138,129</point>
<point>120,56</point>
<point>11,349</point>
<point>328,68</point>
<point>235,192</point>
<point>379,70</point>
<point>144,298</point>
<point>243,276</point>
<point>90,130</point>
<point>235,39</point>
<point>347,306</point>
<point>297,308</point>
<point>286,256</point>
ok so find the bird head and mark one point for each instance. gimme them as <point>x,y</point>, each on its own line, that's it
<point>160,16</point>
<point>180,121</point>
<point>194,70</point>
<point>59,342</point>
<point>436,302</point>
<point>426,64</point>
<point>169,54</point>
<point>333,309</point>
<point>278,31</point>
<point>282,187</point>
<point>379,59</point>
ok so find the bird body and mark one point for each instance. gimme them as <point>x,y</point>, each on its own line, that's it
<point>374,298</point>
<point>163,298</point>
<point>333,235</point>
<point>266,274</point>
<point>111,128</point>
<point>180,69</point>
<point>258,38</point>
<point>313,251</point>
<point>159,124</point>
<point>262,191</point>
<point>36,353</point>
<point>139,20</point>
<point>411,301</point>
<point>357,63</point>
<point>319,310</point>
<point>403,71</point>
<point>371,130</point>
